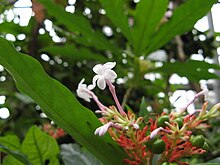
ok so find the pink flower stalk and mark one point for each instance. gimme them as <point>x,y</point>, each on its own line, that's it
<point>112,90</point>
<point>203,92</point>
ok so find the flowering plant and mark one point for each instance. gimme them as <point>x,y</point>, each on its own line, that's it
<point>170,135</point>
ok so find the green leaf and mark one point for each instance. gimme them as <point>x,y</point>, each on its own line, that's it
<point>59,104</point>
<point>78,24</point>
<point>143,108</point>
<point>74,154</point>
<point>148,15</point>
<point>115,12</point>
<point>16,154</point>
<point>72,53</point>
<point>192,69</point>
<point>183,19</point>
<point>40,147</point>
<point>11,141</point>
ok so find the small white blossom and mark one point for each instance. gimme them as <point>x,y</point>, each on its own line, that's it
<point>103,129</point>
<point>104,72</point>
<point>83,91</point>
<point>155,132</point>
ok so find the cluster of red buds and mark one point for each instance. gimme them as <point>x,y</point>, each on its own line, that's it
<point>167,137</point>
<point>56,133</point>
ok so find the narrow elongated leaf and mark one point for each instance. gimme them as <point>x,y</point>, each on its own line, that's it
<point>58,103</point>
<point>183,19</point>
<point>78,24</point>
<point>115,12</point>
<point>20,158</point>
<point>147,17</point>
<point>72,53</point>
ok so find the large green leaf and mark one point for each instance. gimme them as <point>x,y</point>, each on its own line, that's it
<point>40,147</point>
<point>79,25</point>
<point>74,154</point>
<point>192,69</point>
<point>58,103</point>
<point>183,19</point>
<point>72,53</point>
<point>115,12</point>
<point>147,17</point>
<point>37,148</point>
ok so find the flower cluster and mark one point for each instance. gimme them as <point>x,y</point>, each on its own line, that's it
<point>170,135</point>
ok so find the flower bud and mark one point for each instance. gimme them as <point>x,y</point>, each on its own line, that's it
<point>158,146</point>
<point>197,141</point>
<point>161,121</point>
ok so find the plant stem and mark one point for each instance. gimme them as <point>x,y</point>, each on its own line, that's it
<point>126,96</point>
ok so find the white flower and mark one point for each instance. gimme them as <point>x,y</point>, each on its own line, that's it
<point>104,73</point>
<point>83,91</point>
<point>103,129</point>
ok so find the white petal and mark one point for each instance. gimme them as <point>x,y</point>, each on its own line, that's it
<point>110,75</point>
<point>103,129</point>
<point>109,65</point>
<point>95,78</point>
<point>155,132</point>
<point>98,69</point>
<point>97,131</point>
<point>101,83</point>
<point>83,94</point>
<point>82,81</point>
<point>91,87</point>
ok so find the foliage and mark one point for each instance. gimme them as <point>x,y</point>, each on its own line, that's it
<point>73,154</point>
<point>75,42</point>
<point>36,148</point>
<point>56,101</point>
